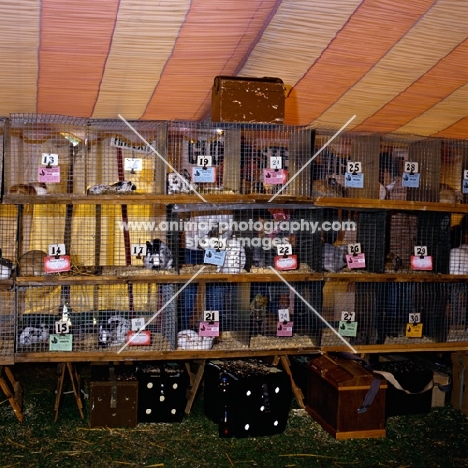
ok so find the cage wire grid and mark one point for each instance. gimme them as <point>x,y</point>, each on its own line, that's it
<point>102,157</point>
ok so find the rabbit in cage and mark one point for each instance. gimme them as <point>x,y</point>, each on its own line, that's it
<point>6,267</point>
<point>123,186</point>
<point>31,263</point>
<point>178,184</point>
<point>158,255</point>
<point>34,188</point>
<point>334,257</point>
<point>258,311</point>
<point>189,339</point>
<point>32,335</point>
<point>327,188</point>
<point>449,195</point>
<point>235,258</point>
<point>118,329</point>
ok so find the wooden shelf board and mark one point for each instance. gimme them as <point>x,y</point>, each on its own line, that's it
<point>362,203</point>
<point>350,277</point>
<point>104,356</point>
<point>147,199</point>
<point>400,348</point>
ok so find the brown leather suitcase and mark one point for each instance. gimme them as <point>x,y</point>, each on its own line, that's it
<point>336,389</point>
<point>250,100</point>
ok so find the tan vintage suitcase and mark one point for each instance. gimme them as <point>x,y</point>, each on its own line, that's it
<point>113,402</point>
<point>336,389</point>
<point>250,100</point>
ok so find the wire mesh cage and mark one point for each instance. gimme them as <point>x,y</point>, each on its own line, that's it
<point>126,158</point>
<point>395,313</point>
<point>4,137</point>
<point>96,318</point>
<point>46,155</point>
<point>8,256</point>
<point>420,242</point>
<point>353,313</point>
<point>457,307</point>
<point>242,158</point>
<point>454,175</point>
<point>94,239</point>
<point>249,239</point>
<point>348,166</point>
<point>7,325</point>
<point>243,316</point>
<point>411,169</point>
<point>415,313</point>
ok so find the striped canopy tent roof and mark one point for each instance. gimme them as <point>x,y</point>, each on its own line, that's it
<point>400,66</point>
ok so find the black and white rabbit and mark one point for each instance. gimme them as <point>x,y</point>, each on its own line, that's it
<point>123,186</point>
<point>32,335</point>
<point>178,184</point>
<point>158,255</point>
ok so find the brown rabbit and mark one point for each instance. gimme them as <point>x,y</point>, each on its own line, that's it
<point>32,263</point>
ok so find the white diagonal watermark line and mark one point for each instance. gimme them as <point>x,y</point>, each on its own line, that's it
<point>313,310</point>
<point>312,158</point>
<point>168,164</point>
<point>162,308</point>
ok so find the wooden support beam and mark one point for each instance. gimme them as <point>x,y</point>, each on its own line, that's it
<point>75,381</point>
<point>13,391</point>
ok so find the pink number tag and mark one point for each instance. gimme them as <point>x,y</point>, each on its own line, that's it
<point>286,263</point>
<point>274,177</point>
<point>421,263</point>
<point>208,329</point>
<point>284,329</point>
<point>57,264</point>
<point>142,338</point>
<point>48,174</point>
<point>356,261</point>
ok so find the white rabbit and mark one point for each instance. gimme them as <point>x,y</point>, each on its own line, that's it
<point>189,339</point>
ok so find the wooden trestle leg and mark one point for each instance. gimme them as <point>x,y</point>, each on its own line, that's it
<point>75,381</point>
<point>13,391</point>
